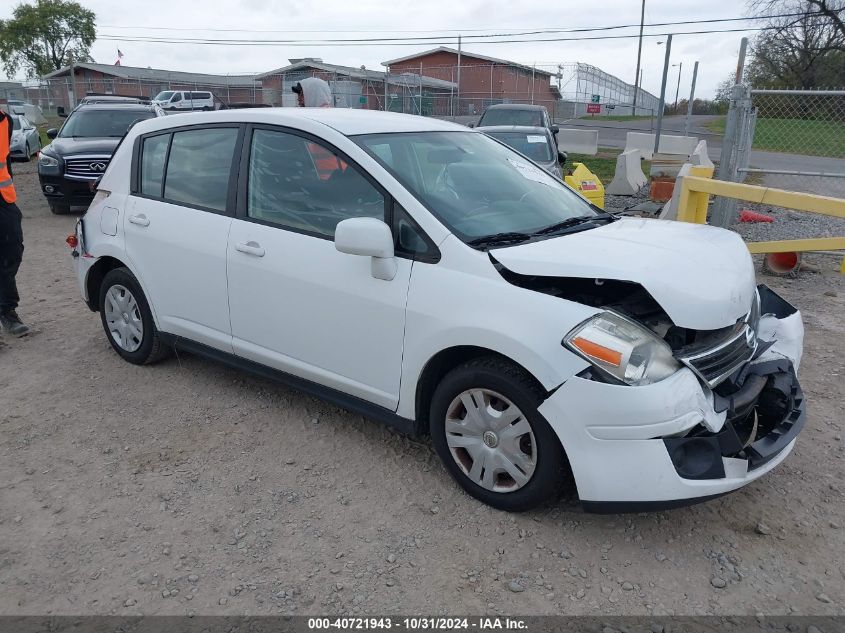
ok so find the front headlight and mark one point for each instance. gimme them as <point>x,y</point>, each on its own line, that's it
<point>625,350</point>
<point>45,160</point>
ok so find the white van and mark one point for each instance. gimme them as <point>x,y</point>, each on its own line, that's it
<point>185,100</point>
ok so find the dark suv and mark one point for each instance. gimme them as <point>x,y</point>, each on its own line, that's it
<point>82,148</point>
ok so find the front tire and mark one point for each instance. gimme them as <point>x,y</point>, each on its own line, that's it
<point>486,428</point>
<point>128,320</point>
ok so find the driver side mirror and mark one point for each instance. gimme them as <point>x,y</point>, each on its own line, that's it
<point>555,129</point>
<point>471,125</point>
<point>52,133</point>
<point>561,157</point>
<point>368,237</point>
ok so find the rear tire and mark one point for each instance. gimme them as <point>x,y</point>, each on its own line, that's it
<point>500,450</point>
<point>128,320</point>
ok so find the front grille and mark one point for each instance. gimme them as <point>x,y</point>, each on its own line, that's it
<point>716,363</point>
<point>86,168</point>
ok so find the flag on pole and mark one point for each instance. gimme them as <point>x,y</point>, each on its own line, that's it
<point>119,57</point>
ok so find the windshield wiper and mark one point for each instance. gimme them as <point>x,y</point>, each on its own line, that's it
<point>500,238</point>
<point>576,221</point>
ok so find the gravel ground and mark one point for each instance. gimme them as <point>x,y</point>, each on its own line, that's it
<point>788,224</point>
<point>191,488</point>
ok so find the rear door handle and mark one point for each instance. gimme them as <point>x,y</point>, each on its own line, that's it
<point>140,220</point>
<point>250,248</point>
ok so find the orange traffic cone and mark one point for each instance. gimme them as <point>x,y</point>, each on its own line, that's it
<point>746,215</point>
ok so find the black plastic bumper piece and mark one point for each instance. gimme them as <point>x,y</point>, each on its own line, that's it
<point>630,507</point>
<point>772,389</point>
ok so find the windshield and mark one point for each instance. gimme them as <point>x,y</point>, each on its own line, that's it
<point>535,146</point>
<point>164,96</point>
<point>507,116</point>
<point>102,123</point>
<point>474,185</point>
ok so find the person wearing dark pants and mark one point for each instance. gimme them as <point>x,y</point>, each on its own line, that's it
<point>11,237</point>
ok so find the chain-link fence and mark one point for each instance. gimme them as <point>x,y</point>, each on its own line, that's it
<point>457,91</point>
<point>788,139</point>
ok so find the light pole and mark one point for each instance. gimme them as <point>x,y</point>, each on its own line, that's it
<point>639,54</point>
<point>680,66</point>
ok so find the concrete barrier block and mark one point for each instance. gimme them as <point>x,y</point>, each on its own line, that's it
<point>629,176</point>
<point>683,145</point>
<point>669,144</point>
<point>641,141</point>
<point>670,210</point>
<point>578,141</point>
<point>700,156</point>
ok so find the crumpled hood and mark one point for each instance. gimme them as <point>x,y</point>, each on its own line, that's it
<point>702,276</point>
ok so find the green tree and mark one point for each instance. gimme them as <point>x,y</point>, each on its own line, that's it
<point>46,36</point>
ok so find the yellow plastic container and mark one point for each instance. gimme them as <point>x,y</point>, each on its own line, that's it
<point>585,182</point>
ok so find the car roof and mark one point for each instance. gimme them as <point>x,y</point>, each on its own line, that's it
<point>117,105</point>
<point>113,99</point>
<point>515,106</point>
<point>347,121</point>
<point>525,129</point>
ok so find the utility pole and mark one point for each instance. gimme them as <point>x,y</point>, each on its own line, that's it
<point>662,103</point>
<point>691,99</point>
<point>678,88</point>
<point>637,77</point>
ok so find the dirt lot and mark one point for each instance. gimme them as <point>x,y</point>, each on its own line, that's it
<point>188,487</point>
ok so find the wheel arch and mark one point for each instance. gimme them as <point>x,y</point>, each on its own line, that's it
<point>96,274</point>
<point>441,364</point>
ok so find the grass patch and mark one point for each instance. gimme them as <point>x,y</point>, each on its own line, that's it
<point>800,136</point>
<point>603,164</point>
<point>717,125</point>
<point>794,136</point>
<point>617,117</point>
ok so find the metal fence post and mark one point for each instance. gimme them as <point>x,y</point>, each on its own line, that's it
<point>723,208</point>
<point>691,99</point>
<point>662,93</point>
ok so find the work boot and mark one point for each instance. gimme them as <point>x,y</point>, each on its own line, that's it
<point>10,321</point>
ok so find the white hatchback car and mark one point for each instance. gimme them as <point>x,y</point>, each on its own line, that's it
<point>426,275</point>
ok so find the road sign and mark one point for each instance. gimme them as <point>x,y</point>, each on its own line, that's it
<point>596,99</point>
<point>593,108</point>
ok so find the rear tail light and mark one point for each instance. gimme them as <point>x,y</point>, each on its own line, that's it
<point>72,240</point>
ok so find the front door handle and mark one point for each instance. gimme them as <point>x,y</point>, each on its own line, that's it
<point>250,248</point>
<point>140,219</point>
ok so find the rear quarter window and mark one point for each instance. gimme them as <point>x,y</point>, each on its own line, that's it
<point>153,154</point>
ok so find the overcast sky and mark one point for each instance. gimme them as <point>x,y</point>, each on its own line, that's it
<point>716,52</point>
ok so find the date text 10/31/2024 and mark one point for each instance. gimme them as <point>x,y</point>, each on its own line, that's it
<point>418,623</point>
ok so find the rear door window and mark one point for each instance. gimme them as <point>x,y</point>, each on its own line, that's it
<point>199,166</point>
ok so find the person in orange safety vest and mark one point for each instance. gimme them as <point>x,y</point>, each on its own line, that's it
<point>11,237</point>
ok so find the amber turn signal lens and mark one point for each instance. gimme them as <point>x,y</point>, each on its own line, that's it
<point>598,351</point>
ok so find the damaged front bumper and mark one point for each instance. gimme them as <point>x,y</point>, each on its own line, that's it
<point>678,442</point>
